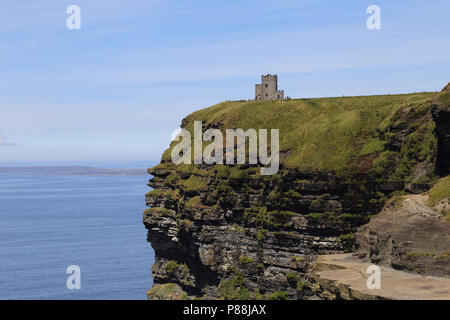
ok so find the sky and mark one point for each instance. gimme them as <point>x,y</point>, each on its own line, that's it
<point>115,89</point>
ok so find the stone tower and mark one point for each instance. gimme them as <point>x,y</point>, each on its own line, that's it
<point>268,89</point>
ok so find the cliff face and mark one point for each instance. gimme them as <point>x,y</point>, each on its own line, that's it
<point>441,115</point>
<point>222,231</point>
<point>407,235</point>
<point>249,234</point>
<point>411,233</point>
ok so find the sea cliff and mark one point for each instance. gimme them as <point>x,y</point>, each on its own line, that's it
<point>226,231</point>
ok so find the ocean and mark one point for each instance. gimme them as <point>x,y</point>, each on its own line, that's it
<point>48,223</point>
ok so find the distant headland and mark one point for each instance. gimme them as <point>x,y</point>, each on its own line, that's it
<point>72,171</point>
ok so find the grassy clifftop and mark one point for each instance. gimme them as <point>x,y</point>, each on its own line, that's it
<point>341,159</point>
<point>334,134</point>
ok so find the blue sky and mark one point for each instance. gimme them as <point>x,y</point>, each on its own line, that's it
<point>118,87</point>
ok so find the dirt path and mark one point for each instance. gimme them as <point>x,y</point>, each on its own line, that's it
<point>347,274</point>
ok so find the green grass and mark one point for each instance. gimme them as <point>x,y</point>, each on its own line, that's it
<point>279,295</point>
<point>292,277</point>
<point>245,260</point>
<point>159,211</point>
<point>302,284</point>
<point>372,146</point>
<point>445,98</point>
<point>194,183</point>
<point>160,193</point>
<point>234,288</point>
<point>322,133</point>
<point>193,202</point>
<point>162,291</point>
<point>171,267</point>
<point>420,254</point>
<point>261,235</point>
<point>439,191</point>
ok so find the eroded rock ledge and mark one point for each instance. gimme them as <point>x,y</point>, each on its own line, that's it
<point>407,235</point>
<point>222,237</point>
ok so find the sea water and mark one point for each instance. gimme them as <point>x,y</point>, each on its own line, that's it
<point>48,223</point>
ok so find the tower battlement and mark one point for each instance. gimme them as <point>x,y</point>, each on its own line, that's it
<point>268,89</point>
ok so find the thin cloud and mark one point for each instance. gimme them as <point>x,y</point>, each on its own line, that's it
<point>4,142</point>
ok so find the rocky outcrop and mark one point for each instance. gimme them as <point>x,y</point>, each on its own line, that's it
<point>240,238</point>
<point>407,235</point>
<point>441,116</point>
<point>440,192</point>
